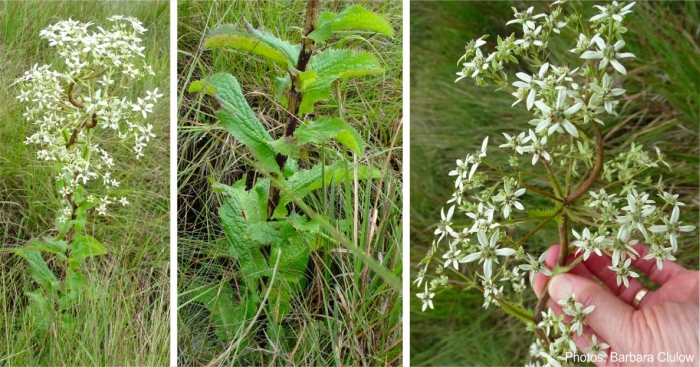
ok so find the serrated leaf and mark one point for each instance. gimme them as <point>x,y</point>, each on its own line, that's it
<point>228,316</point>
<point>286,146</point>
<point>305,78</point>
<point>238,118</point>
<point>331,65</point>
<point>243,217</point>
<point>254,41</point>
<point>352,18</point>
<point>84,246</point>
<point>73,288</point>
<point>344,63</point>
<point>304,182</point>
<point>49,245</point>
<point>241,247</point>
<point>39,271</point>
<point>325,129</point>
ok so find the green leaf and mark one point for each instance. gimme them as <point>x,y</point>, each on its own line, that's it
<point>229,316</point>
<point>39,309</point>
<point>49,245</point>
<point>256,42</point>
<point>243,218</point>
<point>304,182</point>
<point>334,128</point>
<point>84,246</point>
<point>352,18</point>
<point>344,63</point>
<point>73,289</point>
<point>238,118</point>
<point>331,65</point>
<point>40,272</point>
<point>286,146</point>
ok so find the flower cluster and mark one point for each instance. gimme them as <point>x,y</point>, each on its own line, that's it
<point>567,105</point>
<point>69,102</point>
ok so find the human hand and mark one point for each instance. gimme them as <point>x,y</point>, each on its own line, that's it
<point>663,330</point>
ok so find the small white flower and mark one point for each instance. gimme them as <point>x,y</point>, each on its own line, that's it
<point>529,82</point>
<point>525,18</point>
<point>637,212</point>
<point>444,225</point>
<point>427,298</point>
<point>660,254</point>
<point>608,54</point>
<point>537,148</point>
<point>488,252</point>
<point>452,256</point>
<point>585,243</point>
<point>672,228</point>
<point>624,272</point>
<point>605,94</point>
<point>509,199</point>
<point>556,116</point>
<point>596,348</point>
<point>536,266</point>
<point>612,11</point>
<point>602,198</point>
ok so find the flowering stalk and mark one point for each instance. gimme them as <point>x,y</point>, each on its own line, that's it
<point>73,104</point>
<point>566,106</point>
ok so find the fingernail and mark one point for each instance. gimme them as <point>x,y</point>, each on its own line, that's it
<point>561,287</point>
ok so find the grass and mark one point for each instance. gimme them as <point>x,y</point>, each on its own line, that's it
<point>346,315</point>
<point>128,325</point>
<point>449,120</point>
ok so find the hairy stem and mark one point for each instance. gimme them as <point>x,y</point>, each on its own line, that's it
<point>307,48</point>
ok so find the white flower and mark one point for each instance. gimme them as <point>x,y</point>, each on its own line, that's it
<point>612,11</point>
<point>123,201</point>
<point>585,243</point>
<point>509,199</point>
<point>488,252</point>
<point>671,199</point>
<point>605,95</point>
<point>514,142</point>
<point>608,54</point>
<point>525,18</point>
<point>624,272</point>
<point>602,198</point>
<point>529,82</point>
<point>579,316</point>
<point>537,148</point>
<point>536,266</point>
<point>452,256</point>
<point>621,246</point>
<point>473,67</point>
<point>660,254</point>
<point>557,116</point>
<point>483,219</point>
<point>530,38</point>
<point>672,228</point>
<point>427,298</point>
<point>444,226</point>
<point>637,213</point>
<point>597,349</point>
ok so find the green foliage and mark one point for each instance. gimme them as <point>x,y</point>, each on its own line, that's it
<point>353,18</point>
<point>238,118</point>
<point>265,239</point>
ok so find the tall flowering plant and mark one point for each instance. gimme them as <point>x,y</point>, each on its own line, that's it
<point>74,105</point>
<point>606,203</point>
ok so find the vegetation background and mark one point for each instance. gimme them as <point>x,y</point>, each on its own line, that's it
<point>130,325</point>
<point>449,120</point>
<point>346,315</point>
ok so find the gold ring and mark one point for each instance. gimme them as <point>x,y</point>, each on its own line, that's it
<point>639,297</point>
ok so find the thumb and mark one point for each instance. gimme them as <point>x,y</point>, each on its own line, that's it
<point>611,316</point>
